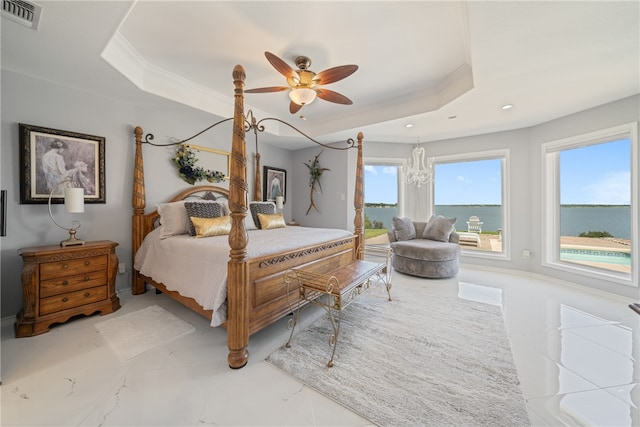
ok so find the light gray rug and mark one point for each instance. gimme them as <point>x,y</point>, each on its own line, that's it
<point>417,360</point>
<point>135,333</point>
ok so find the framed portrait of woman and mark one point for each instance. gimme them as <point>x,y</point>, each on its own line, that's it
<point>275,181</point>
<point>50,156</point>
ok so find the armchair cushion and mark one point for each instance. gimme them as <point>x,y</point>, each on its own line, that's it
<point>403,228</point>
<point>439,228</point>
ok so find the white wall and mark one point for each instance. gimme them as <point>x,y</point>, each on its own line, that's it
<point>40,103</point>
<point>335,200</point>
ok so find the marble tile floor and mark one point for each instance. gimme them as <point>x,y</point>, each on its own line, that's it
<point>577,353</point>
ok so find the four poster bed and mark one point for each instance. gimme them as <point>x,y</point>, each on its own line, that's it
<point>252,294</point>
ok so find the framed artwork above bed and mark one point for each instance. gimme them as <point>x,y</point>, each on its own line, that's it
<point>275,182</point>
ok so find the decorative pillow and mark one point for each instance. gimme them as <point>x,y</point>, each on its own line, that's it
<point>202,210</point>
<point>403,228</point>
<point>173,219</point>
<point>209,227</point>
<point>267,208</point>
<point>248,219</point>
<point>248,222</point>
<point>438,228</point>
<point>269,222</point>
<point>225,206</point>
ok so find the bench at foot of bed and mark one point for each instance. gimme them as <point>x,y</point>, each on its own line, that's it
<point>336,290</point>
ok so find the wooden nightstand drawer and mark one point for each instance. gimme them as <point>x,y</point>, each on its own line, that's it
<point>72,299</point>
<point>51,270</point>
<point>62,285</point>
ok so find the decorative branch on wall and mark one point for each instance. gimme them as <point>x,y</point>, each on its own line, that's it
<point>315,172</point>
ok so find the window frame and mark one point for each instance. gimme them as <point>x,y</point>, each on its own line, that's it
<point>551,202</point>
<point>504,156</point>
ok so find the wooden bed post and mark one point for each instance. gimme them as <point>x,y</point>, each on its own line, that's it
<point>358,199</point>
<point>138,203</point>
<point>238,304</point>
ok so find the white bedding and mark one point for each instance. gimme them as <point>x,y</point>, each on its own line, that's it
<point>197,268</point>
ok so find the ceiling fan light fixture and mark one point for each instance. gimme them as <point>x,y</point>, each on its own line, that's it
<point>302,96</point>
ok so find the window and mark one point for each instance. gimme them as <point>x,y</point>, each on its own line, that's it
<point>472,188</point>
<point>590,204</point>
<point>380,195</point>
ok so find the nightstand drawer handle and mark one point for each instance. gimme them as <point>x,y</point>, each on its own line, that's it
<point>65,299</point>
<point>65,283</point>
<point>87,262</point>
<point>65,266</point>
<point>86,279</point>
<point>87,294</point>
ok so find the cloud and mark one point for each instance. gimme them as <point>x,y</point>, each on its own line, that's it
<point>390,170</point>
<point>613,189</point>
<point>370,169</point>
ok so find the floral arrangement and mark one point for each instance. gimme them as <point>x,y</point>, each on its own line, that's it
<point>315,172</point>
<point>186,159</point>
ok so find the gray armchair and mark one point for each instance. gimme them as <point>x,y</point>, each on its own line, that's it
<point>425,249</point>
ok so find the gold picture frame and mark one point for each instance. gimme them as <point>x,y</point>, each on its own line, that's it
<point>214,151</point>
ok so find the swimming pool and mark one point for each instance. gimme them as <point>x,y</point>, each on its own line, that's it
<point>595,255</point>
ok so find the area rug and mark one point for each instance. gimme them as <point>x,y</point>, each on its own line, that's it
<point>417,360</point>
<point>138,332</point>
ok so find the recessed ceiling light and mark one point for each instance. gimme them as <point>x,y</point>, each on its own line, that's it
<point>507,106</point>
<point>408,125</point>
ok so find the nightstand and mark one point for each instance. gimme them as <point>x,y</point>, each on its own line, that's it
<point>61,282</point>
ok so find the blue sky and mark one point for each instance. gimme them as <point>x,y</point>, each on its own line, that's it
<point>597,174</point>
<point>380,184</point>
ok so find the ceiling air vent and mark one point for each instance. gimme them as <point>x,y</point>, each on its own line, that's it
<point>22,12</point>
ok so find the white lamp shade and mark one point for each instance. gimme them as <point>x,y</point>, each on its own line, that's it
<point>302,96</point>
<point>279,202</point>
<point>74,200</point>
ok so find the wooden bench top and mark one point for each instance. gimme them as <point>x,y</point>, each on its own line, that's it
<point>342,279</point>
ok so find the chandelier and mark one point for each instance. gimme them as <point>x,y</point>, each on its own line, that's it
<point>416,172</point>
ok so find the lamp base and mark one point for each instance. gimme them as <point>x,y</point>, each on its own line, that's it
<point>72,241</point>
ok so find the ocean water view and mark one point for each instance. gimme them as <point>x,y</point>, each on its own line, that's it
<point>574,219</point>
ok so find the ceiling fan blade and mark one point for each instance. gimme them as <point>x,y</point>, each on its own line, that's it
<point>294,108</point>
<point>334,74</point>
<point>267,89</point>
<point>282,67</point>
<point>331,96</point>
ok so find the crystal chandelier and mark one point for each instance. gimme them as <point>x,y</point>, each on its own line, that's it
<point>416,172</point>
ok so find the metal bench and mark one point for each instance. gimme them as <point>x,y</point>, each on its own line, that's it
<point>339,288</point>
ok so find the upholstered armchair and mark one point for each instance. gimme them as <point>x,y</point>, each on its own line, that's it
<point>425,249</point>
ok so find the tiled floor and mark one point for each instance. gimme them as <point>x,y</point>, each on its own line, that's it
<point>577,354</point>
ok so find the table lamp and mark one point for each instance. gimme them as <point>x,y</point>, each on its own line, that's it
<point>73,203</point>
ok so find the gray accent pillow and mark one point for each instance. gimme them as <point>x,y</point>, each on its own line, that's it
<point>403,228</point>
<point>173,219</point>
<point>439,228</point>
<point>266,208</point>
<point>202,210</point>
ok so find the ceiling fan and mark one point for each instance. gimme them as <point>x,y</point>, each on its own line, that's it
<point>303,83</point>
